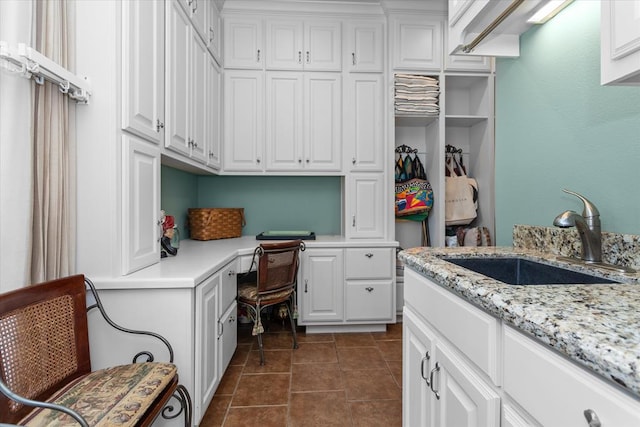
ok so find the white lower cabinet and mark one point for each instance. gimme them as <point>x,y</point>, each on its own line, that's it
<point>555,391</point>
<point>461,368</point>
<point>439,387</point>
<point>346,286</point>
<point>321,286</point>
<point>227,320</point>
<point>207,374</point>
<point>364,206</point>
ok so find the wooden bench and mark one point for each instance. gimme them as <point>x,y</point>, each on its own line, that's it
<point>45,366</point>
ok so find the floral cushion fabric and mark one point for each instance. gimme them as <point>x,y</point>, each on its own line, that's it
<point>117,396</point>
<point>249,292</point>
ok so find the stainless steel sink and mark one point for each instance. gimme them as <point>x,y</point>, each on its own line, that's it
<point>520,271</point>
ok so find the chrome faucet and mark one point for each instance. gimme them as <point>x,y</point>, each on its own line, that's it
<point>588,225</point>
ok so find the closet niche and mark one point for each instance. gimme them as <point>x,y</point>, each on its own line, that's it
<point>466,121</point>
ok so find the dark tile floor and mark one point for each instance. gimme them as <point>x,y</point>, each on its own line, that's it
<point>350,379</point>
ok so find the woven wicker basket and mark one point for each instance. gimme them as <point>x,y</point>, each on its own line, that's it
<point>216,223</point>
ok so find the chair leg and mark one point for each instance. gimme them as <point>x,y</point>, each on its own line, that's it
<point>261,349</point>
<point>293,326</point>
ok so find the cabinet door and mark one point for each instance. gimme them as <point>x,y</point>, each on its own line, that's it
<point>199,122</point>
<point>243,120</point>
<point>465,399</point>
<point>214,100</point>
<point>143,69</point>
<point>207,375</point>
<point>365,46</point>
<point>322,121</point>
<point>140,204</point>
<point>322,46</point>
<point>243,43</point>
<point>467,63</point>
<point>321,288</point>
<point>284,121</point>
<point>199,14</point>
<point>365,207</point>
<point>364,122</point>
<point>416,43</point>
<point>284,45</point>
<point>178,79</point>
<point>417,361</point>
<point>228,337</point>
<point>213,35</point>
<point>620,42</point>
<point>369,300</point>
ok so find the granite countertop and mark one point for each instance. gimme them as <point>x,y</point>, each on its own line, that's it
<point>598,326</point>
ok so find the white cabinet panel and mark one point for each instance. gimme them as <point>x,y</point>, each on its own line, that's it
<point>198,126</point>
<point>364,122</point>
<point>243,120</point>
<point>369,263</point>
<point>207,374</point>
<point>321,288</point>
<point>365,46</point>
<point>364,206</point>
<point>284,150</point>
<point>213,114</point>
<point>214,33</point>
<point>322,118</point>
<point>620,42</point>
<point>143,69</point>
<point>369,300</point>
<point>243,43</point>
<point>178,76</point>
<point>322,46</point>
<point>228,337</point>
<point>141,204</point>
<point>416,43</point>
<point>555,391</point>
<point>284,45</point>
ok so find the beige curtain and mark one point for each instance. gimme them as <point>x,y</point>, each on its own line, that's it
<point>54,162</point>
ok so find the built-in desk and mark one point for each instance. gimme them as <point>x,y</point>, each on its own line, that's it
<point>184,299</point>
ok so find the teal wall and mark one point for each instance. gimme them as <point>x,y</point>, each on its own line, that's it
<point>270,203</point>
<point>557,127</point>
<point>277,203</point>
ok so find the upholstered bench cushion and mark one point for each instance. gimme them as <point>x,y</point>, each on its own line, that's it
<point>116,396</point>
<point>249,292</point>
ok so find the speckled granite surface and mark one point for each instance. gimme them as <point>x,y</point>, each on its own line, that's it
<point>598,326</point>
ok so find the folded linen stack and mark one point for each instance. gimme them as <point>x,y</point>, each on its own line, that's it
<point>416,95</point>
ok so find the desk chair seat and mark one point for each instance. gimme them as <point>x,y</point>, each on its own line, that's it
<point>275,284</point>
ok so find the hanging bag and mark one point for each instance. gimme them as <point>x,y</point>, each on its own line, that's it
<point>414,195</point>
<point>460,206</point>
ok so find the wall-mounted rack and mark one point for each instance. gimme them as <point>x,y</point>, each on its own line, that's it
<point>32,64</point>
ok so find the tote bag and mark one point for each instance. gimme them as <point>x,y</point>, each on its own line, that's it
<point>460,207</point>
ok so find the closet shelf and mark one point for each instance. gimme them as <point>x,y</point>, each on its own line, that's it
<point>464,121</point>
<point>414,120</point>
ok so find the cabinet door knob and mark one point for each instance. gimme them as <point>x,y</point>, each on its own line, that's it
<point>258,56</point>
<point>159,125</point>
<point>231,273</point>
<point>308,57</point>
<point>592,418</point>
<point>353,160</point>
<point>353,221</point>
<point>426,358</point>
<point>258,160</point>
<point>434,370</point>
<point>299,57</point>
<point>369,255</point>
<point>306,285</point>
<point>299,160</point>
<point>369,289</point>
<point>353,58</point>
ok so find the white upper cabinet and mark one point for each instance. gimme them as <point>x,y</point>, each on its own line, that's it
<point>416,42</point>
<point>143,69</point>
<point>178,77</point>
<point>213,119</point>
<point>364,206</point>
<point>303,45</point>
<point>364,122</point>
<point>365,46</point>
<point>243,120</point>
<point>620,42</point>
<point>243,43</point>
<point>199,14</point>
<point>198,127</point>
<point>214,34</point>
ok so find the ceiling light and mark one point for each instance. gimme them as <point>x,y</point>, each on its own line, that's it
<point>548,11</point>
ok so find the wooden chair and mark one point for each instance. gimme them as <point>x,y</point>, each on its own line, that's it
<point>275,284</point>
<point>45,366</point>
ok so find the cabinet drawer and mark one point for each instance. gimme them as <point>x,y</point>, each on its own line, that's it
<point>370,300</point>
<point>228,285</point>
<point>369,263</point>
<point>555,391</point>
<point>471,330</point>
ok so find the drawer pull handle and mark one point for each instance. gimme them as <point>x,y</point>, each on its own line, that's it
<point>434,370</point>
<point>306,285</point>
<point>231,273</point>
<point>369,255</point>
<point>369,289</point>
<point>592,418</point>
<point>426,358</point>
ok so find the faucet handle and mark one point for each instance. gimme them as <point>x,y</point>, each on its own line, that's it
<point>590,209</point>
